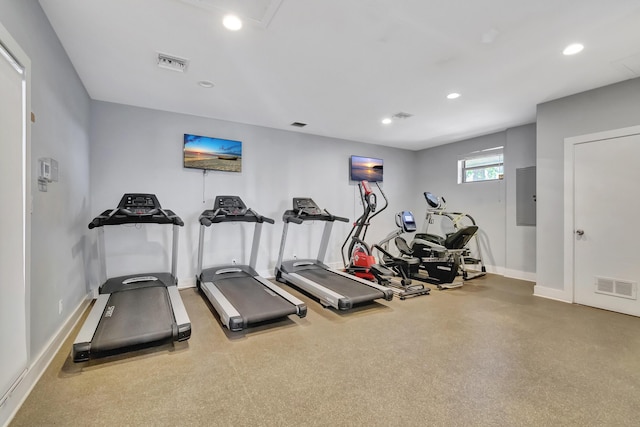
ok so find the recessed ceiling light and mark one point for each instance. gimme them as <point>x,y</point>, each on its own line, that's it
<point>386,121</point>
<point>232,22</point>
<point>453,95</point>
<point>205,84</point>
<point>572,49</point>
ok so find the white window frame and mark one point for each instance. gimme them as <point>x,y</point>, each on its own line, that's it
<point>478,155</point>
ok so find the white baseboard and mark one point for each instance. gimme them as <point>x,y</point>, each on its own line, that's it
<point>39,365</point>
<point>520,275</point>
<point>552,293</point>
<point>187,283</point>
<point>489,268</point>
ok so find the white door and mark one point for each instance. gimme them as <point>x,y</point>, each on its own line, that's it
<point>606,231</point>
<point>13,331</point>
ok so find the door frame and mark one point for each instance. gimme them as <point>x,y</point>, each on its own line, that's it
<point>18,54</point>
<point>569,188</point>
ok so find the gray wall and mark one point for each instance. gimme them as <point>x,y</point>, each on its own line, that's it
<point>61,131</point>
<point>492,204</point>
<point>140,150</point>
<point>610,107</point>
<point>520,241</point>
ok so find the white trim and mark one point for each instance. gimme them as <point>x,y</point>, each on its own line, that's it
<point>7,408</point>
<point>552,293</point>
<point>39,365</point>
<point>267,274</point>
<point>492,269</point>
<point>187,283</point>
<point>520,275</point>
<point>569,188</point>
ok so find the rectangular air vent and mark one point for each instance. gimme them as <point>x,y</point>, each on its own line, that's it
<point>172,62</point>
<point>617,288</point>
<point>402,115</point>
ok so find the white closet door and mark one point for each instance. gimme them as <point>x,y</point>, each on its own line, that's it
<point>606,257</point>
<point>13,331</point>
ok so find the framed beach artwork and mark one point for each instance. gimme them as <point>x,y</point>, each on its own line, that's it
<point>207,153</point>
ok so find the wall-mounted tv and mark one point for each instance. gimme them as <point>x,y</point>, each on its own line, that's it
<point>368,168</point>
<point>203,152</point>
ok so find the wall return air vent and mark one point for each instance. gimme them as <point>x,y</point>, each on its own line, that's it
<point>172,62</point>
<point>617,288</point>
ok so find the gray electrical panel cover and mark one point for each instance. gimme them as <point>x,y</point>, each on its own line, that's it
<point>526,196</point>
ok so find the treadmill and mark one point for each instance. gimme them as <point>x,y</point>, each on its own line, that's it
<point>332,287</point>
<point>134,311</point>
<point>237,292</point>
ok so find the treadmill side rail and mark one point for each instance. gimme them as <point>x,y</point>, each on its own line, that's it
<point>82,343</point>
<point>301,307</point>
<point>228,314</point>
<point>388,293</point>
<point>327,296</point>
<point>180,314</point>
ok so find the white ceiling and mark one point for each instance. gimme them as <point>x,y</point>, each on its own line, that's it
<point>342,65</point>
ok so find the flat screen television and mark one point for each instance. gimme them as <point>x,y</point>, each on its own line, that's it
<point>207,153</point>
<point>366,168</point>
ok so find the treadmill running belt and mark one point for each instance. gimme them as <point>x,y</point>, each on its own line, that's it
<point>355,291</point>
<point>254,301</point>
<point>134,317</point>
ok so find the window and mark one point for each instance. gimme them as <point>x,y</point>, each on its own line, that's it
<point>485,165</point>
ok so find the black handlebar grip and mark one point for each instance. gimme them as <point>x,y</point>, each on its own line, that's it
<point>294,219</point>
<point>205,221</point>
<point>340,218</point>
<point>269,220</point>
<point>178,221</point>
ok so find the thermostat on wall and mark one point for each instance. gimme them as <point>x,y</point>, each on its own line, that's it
<point>48,170</point>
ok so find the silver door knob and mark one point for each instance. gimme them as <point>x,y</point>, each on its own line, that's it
<point>579,232</point>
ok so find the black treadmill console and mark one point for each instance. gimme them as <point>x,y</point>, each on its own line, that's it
<point>136,208</point>
<point>230,205</point>
<point>139,204</point>
<point>306,206</point>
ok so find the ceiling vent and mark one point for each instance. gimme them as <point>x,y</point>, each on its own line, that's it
<point>172,62</point>
<point>298,124</point>
<point>402,115</point>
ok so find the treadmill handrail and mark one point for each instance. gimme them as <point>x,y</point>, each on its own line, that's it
<point>299,218</point>
<point>210,216</point>
<point>119,216</point>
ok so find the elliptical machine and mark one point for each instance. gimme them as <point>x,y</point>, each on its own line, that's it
<point>363,264</point>
<point>359,253</point>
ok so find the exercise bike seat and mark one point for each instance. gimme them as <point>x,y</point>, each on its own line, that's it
<point>456,240</point>
<point>433,238</point>
<point>407,253</point>
<point>460,238</point>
